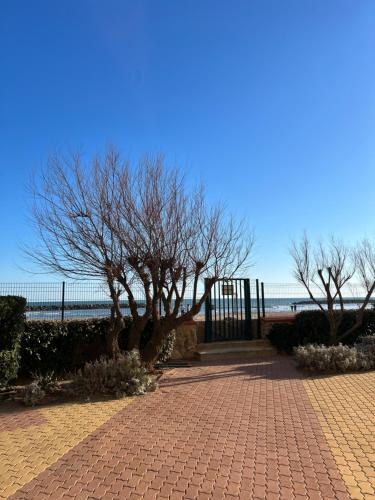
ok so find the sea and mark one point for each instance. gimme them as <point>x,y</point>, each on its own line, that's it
<point>92,309</point>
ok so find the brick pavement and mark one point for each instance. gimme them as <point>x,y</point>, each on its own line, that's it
<point>225,431</point>
<point>345,406</point>
<point>33,439</point>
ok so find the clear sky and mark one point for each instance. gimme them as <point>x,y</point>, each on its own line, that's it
<point>270,103</point>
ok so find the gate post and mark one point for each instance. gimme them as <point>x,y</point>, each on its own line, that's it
<point>258,309</point>
<point>248,333</point>
<point>63,301</point>
<point>207,315</point>
<point>263,301</point>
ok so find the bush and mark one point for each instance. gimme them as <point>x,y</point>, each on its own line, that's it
<point>283,336</point>
<point>47,382</point>
<point>49,345</point>
<point>167,348</point>
<point>12,320</point>
<point>33,394</point>
<point>311,327</point>
<point>366,345</point>
<point>338,358</point>
<point>55,346</point>
<point>366,342</point>
<point>123,376</point>
<point>9,365</point>
<point>40,386</point>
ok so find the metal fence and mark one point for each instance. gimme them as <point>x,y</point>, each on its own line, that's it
<point>73,300</point>
<point>85,299</point>
<point>288,298</point>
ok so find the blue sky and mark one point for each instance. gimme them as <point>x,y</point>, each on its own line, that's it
<point>270,103</point>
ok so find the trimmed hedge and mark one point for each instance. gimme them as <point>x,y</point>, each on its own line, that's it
<point>12,319</point>
<point>311,327</point>
<point>283,336</point>
<point>49,345</point>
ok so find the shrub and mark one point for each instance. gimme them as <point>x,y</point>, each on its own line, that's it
<point>39,387</point>
<point>367,341</point>
<point>167,347</point>
<point>9,365</point>
<point>283,336</point>
<point>12,318</point>
<point>123,376</point>
<point>338,358</point>
<point>366,345</point>
<point>311,327</point>
<point>33,394</point>
<point>56,346</point>
<point>47,382</point>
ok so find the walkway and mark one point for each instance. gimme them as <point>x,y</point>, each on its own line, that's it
<point>226,431</point>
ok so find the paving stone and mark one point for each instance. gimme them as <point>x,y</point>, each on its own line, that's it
<point>344,405</point>
<point>225,430</point>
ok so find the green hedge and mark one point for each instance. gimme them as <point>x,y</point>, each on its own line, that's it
<point>9,366</point>
<point>12,319</point>
<point>49,345</point>
<point>311,327</point>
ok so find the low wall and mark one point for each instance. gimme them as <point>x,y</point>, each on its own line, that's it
<point>186,341</point>
<point>200,322</point>
<point>267,322</point>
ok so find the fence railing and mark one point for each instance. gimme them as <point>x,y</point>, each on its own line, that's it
<point>279,298</point>
<point>69,300</point>
<point>85,299</point>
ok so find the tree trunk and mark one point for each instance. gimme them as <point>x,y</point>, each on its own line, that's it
<point>152,349</point>
<point>332,328</point>
<point>333,334</point>
<point>335,320</point>
<point>134,338</point>
<point>135,334</point>
<point>358,323</point>
<point>113,349</point>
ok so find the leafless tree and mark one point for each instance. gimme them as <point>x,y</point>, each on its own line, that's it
<point>135,228</point>
<point>328,268</point>
<point>364,260</point>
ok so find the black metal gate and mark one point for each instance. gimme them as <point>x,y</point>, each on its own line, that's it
<point>228,311</point>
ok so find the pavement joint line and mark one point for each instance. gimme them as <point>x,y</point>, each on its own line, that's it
<point>231,429</point>
<point>28,450</point>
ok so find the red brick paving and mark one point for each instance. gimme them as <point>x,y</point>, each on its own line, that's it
<point>226,431</point>
<point>12,420</point>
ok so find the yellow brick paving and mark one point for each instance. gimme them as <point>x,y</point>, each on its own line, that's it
<point>25,452</point>
<point>345,405</point>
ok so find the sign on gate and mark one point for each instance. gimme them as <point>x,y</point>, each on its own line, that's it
<point>228,290</point>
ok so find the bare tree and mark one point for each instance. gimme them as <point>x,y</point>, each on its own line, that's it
<point>327,269</point>
<point>135,228</point>
<point>364,259</point>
